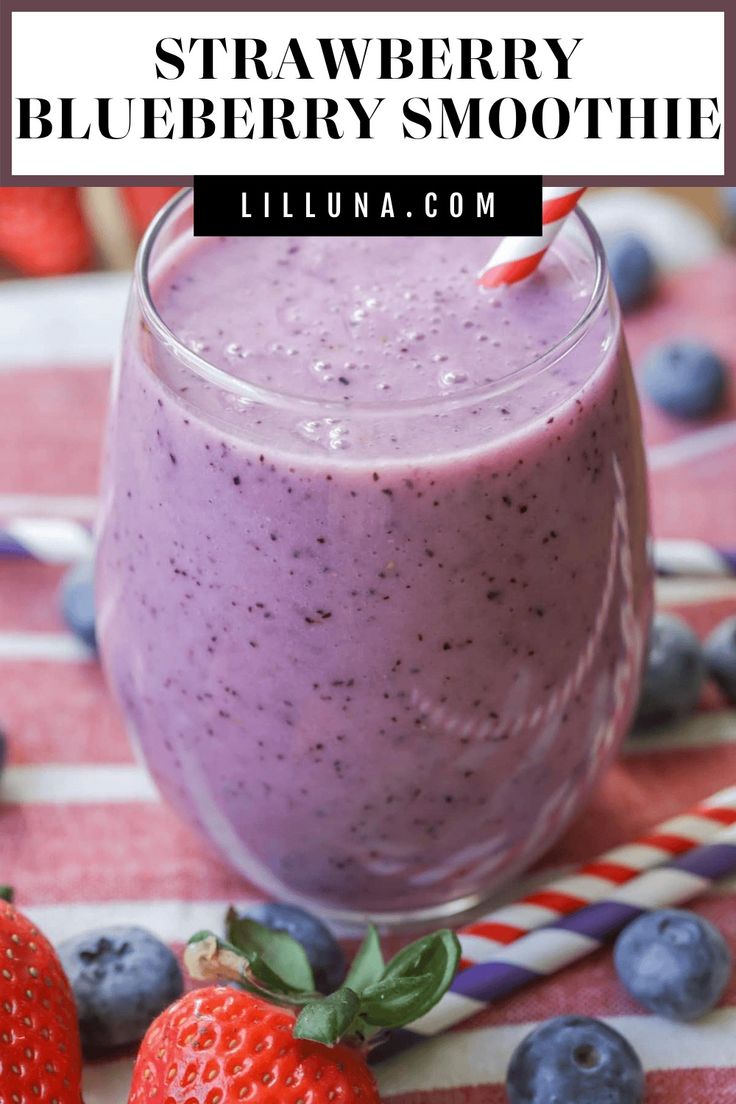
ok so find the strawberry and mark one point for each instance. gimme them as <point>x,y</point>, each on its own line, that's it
<point>42,231</point>
<point>223,1046</point>
<point>40,1052</point>
<point>143,203</point>
<point>272,1039</point>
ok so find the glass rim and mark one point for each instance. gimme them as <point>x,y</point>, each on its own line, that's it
<point>254,392</point>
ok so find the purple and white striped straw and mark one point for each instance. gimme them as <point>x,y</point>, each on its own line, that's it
<point>693,557</point>
<point>60,540</point>
<point>48,540</point>
<point>546,950</point>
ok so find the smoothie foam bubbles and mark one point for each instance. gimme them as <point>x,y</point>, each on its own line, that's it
<point>356,334</point>
<point>361,578</point>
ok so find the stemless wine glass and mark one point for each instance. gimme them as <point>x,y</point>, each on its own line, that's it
<point>377,652</point>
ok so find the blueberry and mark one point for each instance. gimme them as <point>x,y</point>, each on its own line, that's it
<point>324,953</point>
<point>674,963</point>
<point>673,673</point>
<point>720,656</point>
<point>684,378</point>
<point>574,1060</point>
<point>632,269</point>
<point>78,603</point>
<point>122,979</point>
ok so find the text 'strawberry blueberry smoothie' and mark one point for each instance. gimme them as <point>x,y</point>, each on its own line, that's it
<point>372,580</point>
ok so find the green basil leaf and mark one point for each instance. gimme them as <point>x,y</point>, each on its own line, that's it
<point>268,980</point>
<point>200,936</point>
<point>279,957</point>
<point>326,1021</point>
<point>367,966</point>
<point>394,1002</point>
<point>436,955</point>
<point>439,947</point>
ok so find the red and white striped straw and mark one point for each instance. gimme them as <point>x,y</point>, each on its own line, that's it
<point>517,258</point>
<point>544,951</point>
<point>591,882</point>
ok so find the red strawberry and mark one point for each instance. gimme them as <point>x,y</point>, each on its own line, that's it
<point>144,203</point>
<point>42,230</point>
<point>223,1046</point>
<point>40,1053</point>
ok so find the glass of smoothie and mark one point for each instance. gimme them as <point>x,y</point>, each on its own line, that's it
<point>372,573</point>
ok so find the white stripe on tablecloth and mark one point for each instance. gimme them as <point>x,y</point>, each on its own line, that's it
<point>699,730</point>
<point>170,920</point>
<point>173,920</point>
<point>702,442</point>
<point>691,591</point>
<point>481,1057</point>
<point>82,507</point>
<point>82,320</point>
<point>53,647</point>
<point>669,591</point>
<point>76,784</point>
<point>674,556</point>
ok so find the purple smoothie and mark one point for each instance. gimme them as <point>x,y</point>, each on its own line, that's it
<point>375,613</point>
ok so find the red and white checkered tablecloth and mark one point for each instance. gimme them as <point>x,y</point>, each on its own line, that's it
<point>84,837</point>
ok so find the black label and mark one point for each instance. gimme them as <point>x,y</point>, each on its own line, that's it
<point>334,205</point>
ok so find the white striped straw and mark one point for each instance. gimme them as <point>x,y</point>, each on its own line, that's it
<point>517,257</point>
<point>48,540</point>
<point>593,880</point>
<point>693,557</point>
<point>546,950</point>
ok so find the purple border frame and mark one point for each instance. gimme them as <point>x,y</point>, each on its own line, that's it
<point>7,7</point>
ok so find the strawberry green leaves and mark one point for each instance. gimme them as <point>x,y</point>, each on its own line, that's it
<point>286,958</point>
<point>387,996</point>
<point>434,957</point>
<point>330,1019</point>
<point>413,981</point>
<point>392,1002</point>
<point>208,958</point>
<point>368,966</point>
<point>375,995</point>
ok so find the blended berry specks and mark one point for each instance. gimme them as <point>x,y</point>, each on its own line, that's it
<point>345,651</point>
